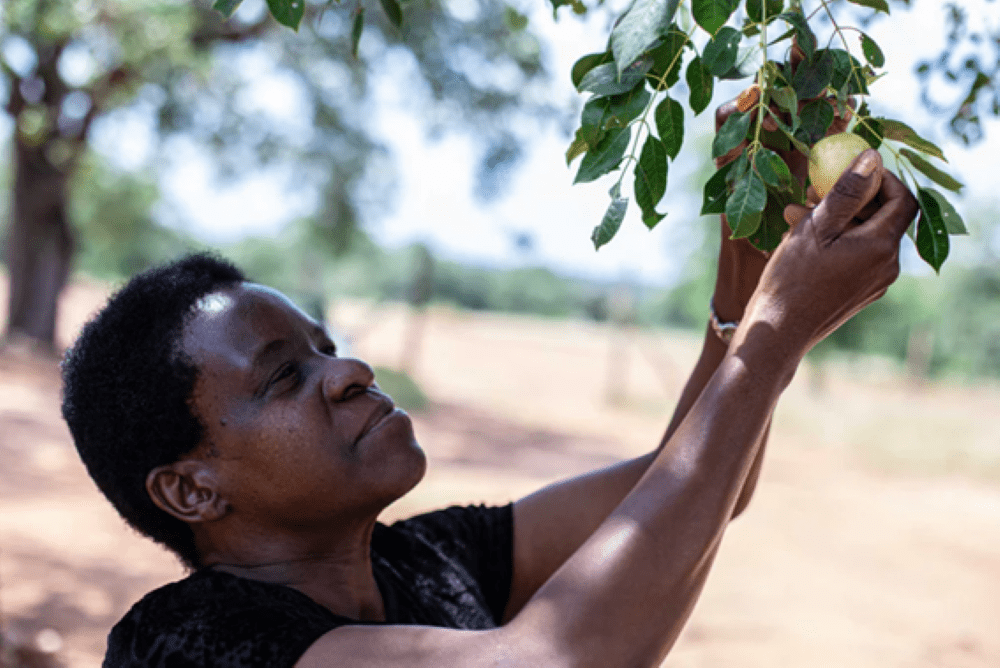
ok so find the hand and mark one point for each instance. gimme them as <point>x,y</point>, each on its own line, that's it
<point>837,258</point>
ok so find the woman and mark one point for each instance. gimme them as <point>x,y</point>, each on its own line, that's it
<point>218,419</point>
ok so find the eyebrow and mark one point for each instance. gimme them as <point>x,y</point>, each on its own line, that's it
<point>263,354</point>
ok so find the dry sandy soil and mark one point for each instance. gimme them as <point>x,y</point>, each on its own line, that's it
<point>873,540</point>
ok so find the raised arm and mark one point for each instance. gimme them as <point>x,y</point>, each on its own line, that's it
<point>623,597</point>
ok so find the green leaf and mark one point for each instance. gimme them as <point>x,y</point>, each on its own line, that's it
<point>930,171</point>
<point>719,55</point>
<point>952,221</point>
<point>226,7</point>
<point>623,109</point>
<point>612,220</point>
<point>393,11</point>
<point>877,5</point>
<point>814,75</point>
<point>670,125</point>
<point>745,205</point>
<point>740,166</point>
<point>712,14</point>
<point>747,62</point>
<point>871,130</point>
<point>666,56</point>
<point>803,33</point>
<point>799,146</point>
<point>815,119</point>
<point>716,191</point>
<point>357,28</point>
<point>772,222</point>
<point>772,169</point>
<point>847,70</point>
<point>644,23</point>
<point>604,157</point>
<point>901,132</point>
<point>587,63</point>
<point>786,98</point>
<point>651,178</point>
<point>873,53</point>
<point>732,132</point>
<point>604,79</point>
<point>287,12</point>
<point>577,148</point>
<point>757,9</point>
<point>932,233</point>
<point>700,83</point>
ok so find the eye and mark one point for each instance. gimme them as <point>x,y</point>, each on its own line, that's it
<point>288,370</point>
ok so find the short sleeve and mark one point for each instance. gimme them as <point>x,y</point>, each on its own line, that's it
<point>481,539</point>
<point>219,621</point>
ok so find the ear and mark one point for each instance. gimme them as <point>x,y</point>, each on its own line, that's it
<point>187,490</point>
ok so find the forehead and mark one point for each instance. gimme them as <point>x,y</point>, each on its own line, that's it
<point>231,324</point>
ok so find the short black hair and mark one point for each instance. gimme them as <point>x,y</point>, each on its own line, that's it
<point>127,390</point>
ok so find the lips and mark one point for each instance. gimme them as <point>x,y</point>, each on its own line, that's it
<point>384,408</point>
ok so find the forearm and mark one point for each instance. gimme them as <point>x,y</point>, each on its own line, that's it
<point>645,565</point>
<point>712,352</point>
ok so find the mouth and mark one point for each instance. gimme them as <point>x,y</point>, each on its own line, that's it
<point>383,410</point>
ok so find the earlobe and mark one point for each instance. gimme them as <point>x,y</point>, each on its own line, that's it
<point>187,490</point>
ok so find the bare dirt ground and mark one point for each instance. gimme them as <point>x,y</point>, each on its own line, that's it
<point>873,540</point>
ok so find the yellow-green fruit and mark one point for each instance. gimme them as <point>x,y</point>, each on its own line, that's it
<point>830,157</point>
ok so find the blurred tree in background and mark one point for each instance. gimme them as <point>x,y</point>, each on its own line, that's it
<point>68,65</point>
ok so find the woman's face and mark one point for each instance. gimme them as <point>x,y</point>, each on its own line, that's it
<point>297,436</point>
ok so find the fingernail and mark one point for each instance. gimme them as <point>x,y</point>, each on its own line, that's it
<point>867,164</point>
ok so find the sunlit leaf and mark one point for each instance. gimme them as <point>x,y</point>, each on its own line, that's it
<point>716,191</point>
<point>604,79</point>
<point>611,221</point>
<point>952,220</point>
<point>587,63</point>
<point>719,55</point>
<point>772,169</point>
<point>873,54</point>
<point>667,56</point>
<point>878,5</point>
<point>226,7</point>
<point>732,132</point>
<point>815,119</point>
<point>393,11</point>
<point>848,74</point>
<point>287,12</point>
<point>932,233</point>
<point>638,30</point>
<point>700,83</point>
<point>930,171</point>
<point>901,132</point>
<point>758,10</point>
<point>651,178</point>
<point>745,204</point>
<point>670,125</point>
<point>870,129</point>
<point>712,14</point>
<point>604,157</point>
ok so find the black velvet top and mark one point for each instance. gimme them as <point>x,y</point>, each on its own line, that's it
<point>450,568</point>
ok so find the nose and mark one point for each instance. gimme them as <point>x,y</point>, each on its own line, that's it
<point>346,377</point>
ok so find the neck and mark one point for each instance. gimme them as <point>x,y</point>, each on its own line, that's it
<point>339,578</point>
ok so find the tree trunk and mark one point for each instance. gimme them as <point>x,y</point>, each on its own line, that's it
<point>39,246</point>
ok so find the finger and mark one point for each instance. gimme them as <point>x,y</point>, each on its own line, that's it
<point>812,197</point>
<point>852,191</point>
<point>795,214</point>
<point>898,211</point>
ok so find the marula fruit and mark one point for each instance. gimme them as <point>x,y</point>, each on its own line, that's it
<point>829,158</point>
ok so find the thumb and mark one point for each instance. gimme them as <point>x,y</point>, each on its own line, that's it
<point>852,191</point>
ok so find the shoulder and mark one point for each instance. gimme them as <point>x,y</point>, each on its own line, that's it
<point>460,525</point>
<point>216,619</point>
